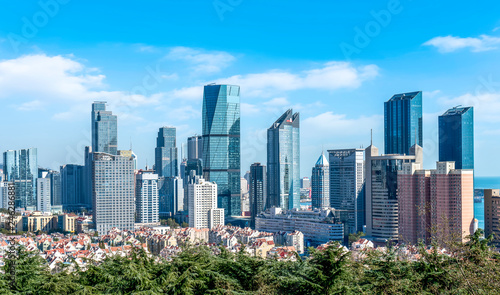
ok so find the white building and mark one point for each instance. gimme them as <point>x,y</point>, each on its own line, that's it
<point>203,211</point>
<point>146,197</point>
<point>318,226</point>
<point>43,194</point>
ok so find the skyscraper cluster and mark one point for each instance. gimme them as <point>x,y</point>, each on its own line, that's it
<point>389,196</point>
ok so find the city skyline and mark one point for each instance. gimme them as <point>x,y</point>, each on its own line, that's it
<point>165,71</point>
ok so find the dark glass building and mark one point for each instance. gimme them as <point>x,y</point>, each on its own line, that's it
<point>166,159</point>
<point>283,162</point>
<point>104,129</point>
<point>258,190</point>
<point>73,188</point>
<point>221,144</point>
<point>456,137</point>
<point>403,122</point>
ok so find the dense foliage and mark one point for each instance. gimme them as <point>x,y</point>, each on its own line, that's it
<point>472,268</point>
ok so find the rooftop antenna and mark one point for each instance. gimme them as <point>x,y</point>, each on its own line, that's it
<point>130,142</point>
<point>371,136</point>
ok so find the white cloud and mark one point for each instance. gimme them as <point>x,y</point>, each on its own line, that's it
<point>330,124</point>
<point>278,102</point>
<point>202,61</point>
<point>63,80</point>
<point>331,76</point>
<point>486,105</point>
<point>431,94</point>
<point>451,43</point>
<point>30,106</point>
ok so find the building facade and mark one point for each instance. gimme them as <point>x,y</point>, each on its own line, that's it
<point>320,183</point>
<point>72,187</point>
<point>347,187</point>
<point>21,168</point>
<point>403,122</point>
<point>435,205</point>
<point>257,190</point>
<point>492,214</point>
<point>203,211</point>
<point>456,137</point>
<point>195,147</point>
<point>381,191</point>
<point>221,144</point>
<point>283,161</point>
<point>318,226</point>
<point>146,197</point>
<point>166,156</point>
<point>43,194</point>
<point>104,129</point>
<point>113,190</point>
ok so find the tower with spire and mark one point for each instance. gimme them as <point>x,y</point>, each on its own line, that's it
<point>320,183</point>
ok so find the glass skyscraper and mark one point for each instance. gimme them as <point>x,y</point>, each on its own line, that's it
<point>283,161</point>
<point>21,168</point>
<point>456,137</point>
<point>72,187</point>
<point>403,122</point>
<point>166,159</point>
<point>347,187</point>
<point>320,184</point>
<point>221,144</point>
<point>258,190</point>
<point>104,129</point>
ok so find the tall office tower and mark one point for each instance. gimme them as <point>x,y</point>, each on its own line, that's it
<point>104,129</point>
<point>492,214</point>
<point>55,188</point>
<point>305,183</point>
<point>21,167</point>
<point>195,147</point>
<point>456,137</point>
<point>166,162</point>
<point>283,162</point>
<point>221,144</point>
<point>321,184</point>
<point>435,204</point>
<point>203,211</point>
<point>403,122</point>
<point>381,191</point>
<point>3,195</point>
<point>113,192</point>
<point>172,200</point>
<point>452,202</point>
<point>72,187</point>
<point>87,177</point>
<point>258,190</point>
<point>247,177</point>
<point>43,193</point>
<point>146,197</point>
<point>347,193</point>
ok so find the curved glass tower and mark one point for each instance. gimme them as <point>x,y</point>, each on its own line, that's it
<point>221,144</point>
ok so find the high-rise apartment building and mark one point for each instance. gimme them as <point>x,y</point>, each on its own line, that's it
<point>104,129</point>
<point>73,187</point>
<point>403,122</point>
<point>146,197</point>
<point>221,144</point>
<point>166,158</point>
<point>283,161</point>
<point>320,184</point>
<point>305,183</point>
<point>435,204</point>
<point>203,211</point>
<point>258,190</point>
<point>113,191</point>
<point>381,191</point>
<point>492,214</point>
<point>456,137</point>
<point>21,167</point>
<point>347,193</point>
<point>43,188</point>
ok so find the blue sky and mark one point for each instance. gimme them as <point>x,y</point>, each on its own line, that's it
<point>335,62</point>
